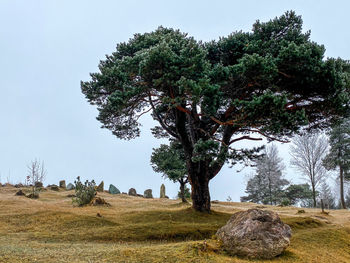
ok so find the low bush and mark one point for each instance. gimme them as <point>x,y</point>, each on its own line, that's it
<point>285,202</point>
<point>84,193</point>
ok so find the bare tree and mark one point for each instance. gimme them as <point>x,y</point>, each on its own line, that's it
<point>307,152</point>
<point>36,173</point>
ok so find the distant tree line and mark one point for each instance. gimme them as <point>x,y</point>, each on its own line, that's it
<point>311,155</point>
<point>268,186</point>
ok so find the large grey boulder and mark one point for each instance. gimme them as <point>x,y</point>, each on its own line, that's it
<point>162,191</point>
<point>113,190</point>
<point>148,193</point>
<point>255,233</point>
<point>70,186</point>
<point>132,191</point>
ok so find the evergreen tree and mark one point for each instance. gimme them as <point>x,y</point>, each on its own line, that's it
<point>255,189</point>
<point>298,193</point>
<point>268,83</point>
<point>267,184</point>
<point>339,155</point>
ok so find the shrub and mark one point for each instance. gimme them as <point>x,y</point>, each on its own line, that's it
<point>84,192</point>
<point>285,202</point>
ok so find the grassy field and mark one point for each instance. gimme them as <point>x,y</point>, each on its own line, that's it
<point>135,229</point>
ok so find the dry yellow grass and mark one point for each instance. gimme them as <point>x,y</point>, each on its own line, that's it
<point>134,229</point>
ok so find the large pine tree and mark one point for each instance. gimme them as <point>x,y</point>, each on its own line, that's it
<point>265,83</point>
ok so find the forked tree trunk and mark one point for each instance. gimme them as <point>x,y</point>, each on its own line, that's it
<point>200,172</point>
<point>199,180</point>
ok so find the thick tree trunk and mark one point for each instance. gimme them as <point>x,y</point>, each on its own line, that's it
<point>199,179</point>
<point>200,194</point>
<point>200,172</point>
<point>341,177</point>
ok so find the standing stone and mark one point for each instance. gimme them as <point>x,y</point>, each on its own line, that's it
<point>255,233</point>
<point>162,191</point>
<point>132,191</point>
<point>62,184</point>
<point>113,190</point>
<point>70,186</point>
<point>100,187</point>
<point>148,193</point>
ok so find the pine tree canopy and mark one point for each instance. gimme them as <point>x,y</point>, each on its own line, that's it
<point>269,82</point>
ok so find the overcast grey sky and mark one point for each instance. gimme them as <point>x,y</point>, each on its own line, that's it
<point>48,47</point>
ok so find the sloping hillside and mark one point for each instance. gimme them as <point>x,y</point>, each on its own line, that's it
<point>135,229</point>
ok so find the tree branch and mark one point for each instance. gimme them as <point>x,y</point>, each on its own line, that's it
<point>161,121</point>
<point>246,137</point>
<point>265,135</point>
<point>138,117</point>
